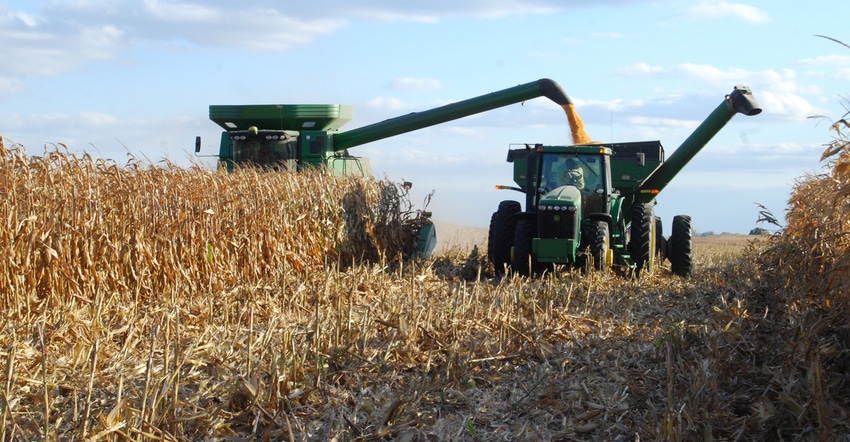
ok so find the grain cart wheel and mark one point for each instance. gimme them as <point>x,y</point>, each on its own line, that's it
<point>599,241</point>
<point>660,241</point>
<point>682,246</point>
<point>525,231</point>
<point>500,238</point>
<point>642,237</point>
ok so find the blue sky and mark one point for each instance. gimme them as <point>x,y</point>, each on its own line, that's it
<point>108,77</point>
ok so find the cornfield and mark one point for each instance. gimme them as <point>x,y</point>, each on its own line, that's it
<point>153,302</point>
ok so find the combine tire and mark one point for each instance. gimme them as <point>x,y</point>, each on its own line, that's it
<point>500,238</point>
<point>642,237</point>
<point>525,230</point>
<point>599,241</point>
<point>682,246</point>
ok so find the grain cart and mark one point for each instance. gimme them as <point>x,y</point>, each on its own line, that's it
<point>303,136</point>
<point>593,203</point>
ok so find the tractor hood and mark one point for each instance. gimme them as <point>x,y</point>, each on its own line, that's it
<point>562,196</point>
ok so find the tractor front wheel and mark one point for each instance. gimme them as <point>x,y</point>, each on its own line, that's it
<point>500,238</point>
<point>682,246</point>
<point>525,231</point>
<point>599,242</point>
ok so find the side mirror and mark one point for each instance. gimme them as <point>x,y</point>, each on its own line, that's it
<point>197,144</point>
<point>640,159</point>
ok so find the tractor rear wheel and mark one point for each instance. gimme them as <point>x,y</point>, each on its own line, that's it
<point>682,246</point>
<point>525,231</point>
<point>642,237</point>
<point>599,242</point>
<point>660,241</point>
<point>500,238</point>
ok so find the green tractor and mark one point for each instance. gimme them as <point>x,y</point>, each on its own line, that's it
<point>592,205</point>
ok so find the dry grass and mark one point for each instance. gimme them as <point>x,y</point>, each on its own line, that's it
<point>168,304</point>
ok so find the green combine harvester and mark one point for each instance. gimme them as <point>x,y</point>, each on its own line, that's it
<point>304,136</point>
<point>563,223</point>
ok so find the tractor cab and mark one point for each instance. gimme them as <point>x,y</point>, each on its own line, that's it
<point>588,172</point>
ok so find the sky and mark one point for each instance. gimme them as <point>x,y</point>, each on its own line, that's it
<point>125,77</point>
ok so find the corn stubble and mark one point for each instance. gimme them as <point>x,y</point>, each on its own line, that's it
<point>152,302</point>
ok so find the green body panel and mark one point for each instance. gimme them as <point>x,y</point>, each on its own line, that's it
<point>619,235</point>
<point>554,250</point>
<point>320,117</point>
<point>427,240</point>
<point>564,195</point>
<point>225,152</point>
<point>627,169</point>
<point>350,166</point>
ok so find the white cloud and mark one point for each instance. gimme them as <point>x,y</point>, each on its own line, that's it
<point>10,86</point>
<point>721,10</point>
<point>612,35</point>
<point>388,104</point>
<point>782,90</point>
<point>181,12</point>
<point>101,42</point>
<point>432,11</point>
<point>842,74</point>
<point>43,46</point>
<point>27,19</point>
<point>710,74</point>
<point>97,119</point>
<point>379,14</point>
<point>825,60</point>
<point>787,104</point>
<point>638,69</point>
<point>275,32</point>
<point>663,122</point>
<point>415,84</point>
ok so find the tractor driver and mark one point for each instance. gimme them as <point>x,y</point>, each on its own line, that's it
<point>572,174</point>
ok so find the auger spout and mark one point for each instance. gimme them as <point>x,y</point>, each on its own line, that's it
<point>418,120</point>
<point>740,100</point>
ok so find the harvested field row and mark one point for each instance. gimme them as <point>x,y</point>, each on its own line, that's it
<point>203,325</point>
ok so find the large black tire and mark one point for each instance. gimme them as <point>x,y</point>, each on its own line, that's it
<point>660,241</point>
<point>525,230</point>
<point>500,238</point>
<point>682,246</point>
<point>642,237</point>
<point>599,242</point>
